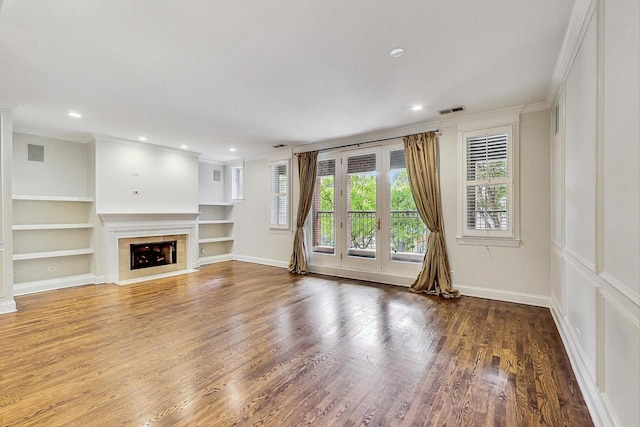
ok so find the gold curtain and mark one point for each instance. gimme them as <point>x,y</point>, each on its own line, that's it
<point>307,170</point>
<point>421,154</point>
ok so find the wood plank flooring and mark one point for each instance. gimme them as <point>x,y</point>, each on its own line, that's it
<point>240,344</point>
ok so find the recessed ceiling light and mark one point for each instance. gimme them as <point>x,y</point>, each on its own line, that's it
<point>232,149</point>
<point>142,138</point>
<point>183,146</point>
<point>397,52</point>
<point>74,115</point>
<point>417,107</point>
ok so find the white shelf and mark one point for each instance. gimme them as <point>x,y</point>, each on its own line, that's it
<point>216,240</point>
<point>216,204</point>
<point>53,198</point>
<point>50,226</point>
<point>215,221</point>
<point>52,254</point>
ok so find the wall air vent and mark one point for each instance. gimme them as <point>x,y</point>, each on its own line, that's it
<point>35,153</point>
<point>451,110</point>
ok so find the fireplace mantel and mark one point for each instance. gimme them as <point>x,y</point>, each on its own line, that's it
<point>126,225</point>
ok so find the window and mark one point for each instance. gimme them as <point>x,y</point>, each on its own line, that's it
<point>323,212</point>
<point>279,194</point>
<point>488,193</point>
<point>407,233</point>
<point>237,183</point>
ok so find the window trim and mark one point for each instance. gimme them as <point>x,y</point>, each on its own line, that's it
<point>508,238</point>
<point>287,194</point>
<point>236,186</point>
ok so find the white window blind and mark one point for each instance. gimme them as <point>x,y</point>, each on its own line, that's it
<point>279,195</point>
<point>488,182</point>
<point>488,194</point>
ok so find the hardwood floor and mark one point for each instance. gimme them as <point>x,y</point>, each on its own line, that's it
<point>242,344</point>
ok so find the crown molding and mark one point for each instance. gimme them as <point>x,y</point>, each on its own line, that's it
<point>7,105</point>
<point>581,15</point>
<point>146,145</point>
<point>508,114</point>
<point>63,135</point>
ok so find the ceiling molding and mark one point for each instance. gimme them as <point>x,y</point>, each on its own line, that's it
<point>55,134</point>
<point>7,105</point>
<point>508,114</point>
<point>581,15</point>
<point>538,106</point>
<point>146,145</point>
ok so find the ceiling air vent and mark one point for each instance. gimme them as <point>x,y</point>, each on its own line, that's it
<point>451,110</point>
<point>279,146</point>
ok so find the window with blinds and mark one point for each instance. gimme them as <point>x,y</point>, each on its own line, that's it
<point>488,197</point>
<point>279,195</point>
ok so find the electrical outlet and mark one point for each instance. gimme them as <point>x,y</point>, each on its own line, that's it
<point>51,269</point>
<point>578,332</point>
<point>453,273</point>
<point>201,251</point>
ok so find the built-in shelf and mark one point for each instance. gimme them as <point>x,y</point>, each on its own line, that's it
<point>215,221</point>
<point>215,232</point>
<point>52,242</point>
<point>216,240</point>
<point>50,226</point>
<point>53,198</point>
<point>52,254</point>
<point>216,204</point>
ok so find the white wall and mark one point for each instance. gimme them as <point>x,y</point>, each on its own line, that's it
<point>596,211</point>
<point>253,239</point>
<point>7,303</point>
<point>208,189</point>
<point>64,171</point>
<point>166,179</point>
<point>511,273</point>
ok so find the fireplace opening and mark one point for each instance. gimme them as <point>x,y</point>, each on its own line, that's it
<point>153,254</point>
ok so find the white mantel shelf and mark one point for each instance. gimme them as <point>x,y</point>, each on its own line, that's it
<point>147,216</point>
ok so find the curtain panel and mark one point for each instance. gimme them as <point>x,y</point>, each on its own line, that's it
<point>421,154</point>
<point>307,171</point>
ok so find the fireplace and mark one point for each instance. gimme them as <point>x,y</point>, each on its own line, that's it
<point>122,230</point>
<point>153,254</point>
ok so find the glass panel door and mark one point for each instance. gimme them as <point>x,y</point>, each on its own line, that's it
<point>361,221</point>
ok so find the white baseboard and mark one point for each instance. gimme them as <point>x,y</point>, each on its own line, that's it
<point>8,306</point>
<point>154,277</point>
<point>368,276</point>
<point>502,295</point>
<point>214,258</point>
<point>51,284</point>
<point>263,261</point>
<point>592,396</point>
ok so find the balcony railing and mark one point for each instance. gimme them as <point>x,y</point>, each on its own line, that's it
<point>408,234</point>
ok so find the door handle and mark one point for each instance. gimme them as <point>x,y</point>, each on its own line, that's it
<point>378,224</point>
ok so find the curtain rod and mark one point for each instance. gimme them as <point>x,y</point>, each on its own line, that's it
<point>437,132</point>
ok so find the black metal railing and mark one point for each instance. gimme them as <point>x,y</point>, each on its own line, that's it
<point>408,234</point>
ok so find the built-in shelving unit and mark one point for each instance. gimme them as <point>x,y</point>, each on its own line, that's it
<point>215,229</point>
<point>52,242</point>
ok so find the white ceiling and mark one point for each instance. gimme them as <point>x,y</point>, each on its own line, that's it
<point>250,74</point>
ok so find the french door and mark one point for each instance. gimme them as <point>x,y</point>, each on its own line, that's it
<point>363,216</point>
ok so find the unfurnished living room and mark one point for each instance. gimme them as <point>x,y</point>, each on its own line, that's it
<point>330,213</point>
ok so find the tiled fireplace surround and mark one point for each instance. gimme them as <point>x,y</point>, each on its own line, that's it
<point>122,229</point>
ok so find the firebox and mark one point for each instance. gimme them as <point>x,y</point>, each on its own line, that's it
<point>153,254</point>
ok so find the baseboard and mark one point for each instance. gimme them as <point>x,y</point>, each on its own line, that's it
<point>263,261</point>
<point>154,277</point>
<point>592,396</point>
<point>52,284</point>
<point>214,258</point>
<point>8,306</point>
<point>368,276</point>
<point>502,295</point>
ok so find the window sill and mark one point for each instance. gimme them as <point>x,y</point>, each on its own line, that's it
<point>279,230</point>
<point>510,242</point>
